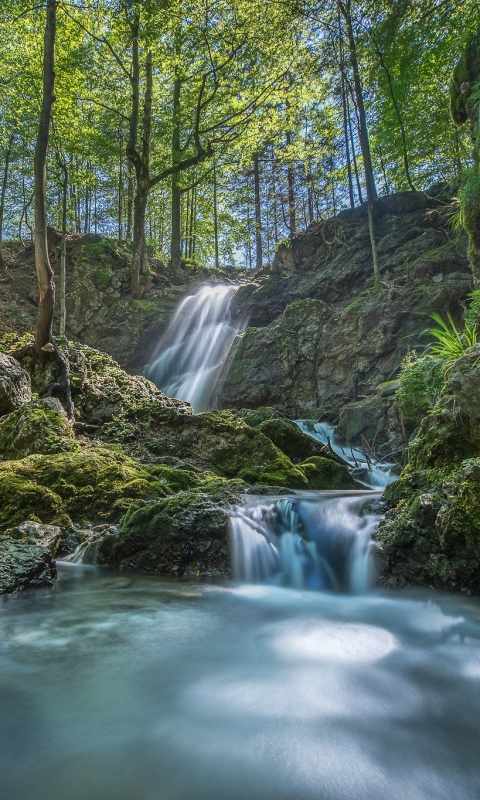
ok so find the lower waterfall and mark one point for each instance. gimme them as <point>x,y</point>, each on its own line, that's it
<point>193,350</point>
<point>313,540</point>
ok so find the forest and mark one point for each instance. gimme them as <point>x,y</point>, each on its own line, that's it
<point>239,399</point>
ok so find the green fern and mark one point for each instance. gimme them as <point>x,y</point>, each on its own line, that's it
<point>450,342</point>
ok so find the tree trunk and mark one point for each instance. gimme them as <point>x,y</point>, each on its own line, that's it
<point>8,154</point>
<point>215,216</point>
<point>258,214</point>
<point>128,232</point>
<point>345,8</point>
<point>63,252</point>
<point>142,170</point>
<point>44,271</point>
<point>292,224</point>
<point>175,243</point>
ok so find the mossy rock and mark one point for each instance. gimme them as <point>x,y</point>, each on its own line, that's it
<point>177,479</point>
<point>290,440</point>
<point>325,473</point>
<point>37,427</point>
<point>184,535</point>
<point>364,420</point>
<point>24,565</point>
<point>259,415</point>
<point>218,441</point>
<point>91,484</point>
<point>431,532</point>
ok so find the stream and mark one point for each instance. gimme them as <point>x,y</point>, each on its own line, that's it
<point>296,681</point>
<point>117,687</point>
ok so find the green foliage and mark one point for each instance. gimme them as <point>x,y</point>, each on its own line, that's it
<point>421,382</point>
<point>451,343</point>
<point>472,312</point>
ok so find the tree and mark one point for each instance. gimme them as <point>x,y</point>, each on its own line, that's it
<point>46,285</point>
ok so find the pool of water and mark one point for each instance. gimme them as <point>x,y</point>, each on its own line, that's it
<point>130,688</point>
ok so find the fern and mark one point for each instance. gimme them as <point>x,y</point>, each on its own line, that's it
<point>450,342</point>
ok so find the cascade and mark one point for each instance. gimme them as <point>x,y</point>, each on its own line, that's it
<point>373,474</point>
<point>193,350</point>
<point>312,540</point>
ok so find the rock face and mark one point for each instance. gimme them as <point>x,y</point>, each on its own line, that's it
<point>431,531</point>
<point>319,337</point>
<point>14,385</point>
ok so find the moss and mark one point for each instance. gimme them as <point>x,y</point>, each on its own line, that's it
<point>182,535</point>
<point>176,479</point>
<point>97,483</point>
<point>254,418</point>
<point>324,473</point>
<point>290,439</point>
<point>36,427</point>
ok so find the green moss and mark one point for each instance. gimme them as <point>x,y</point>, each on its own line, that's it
<point>186,534</point>
<point>35,427</point>
<point>176,479</point>
<point>290,439</point>
<point>97,483</point>
<point>324,473</point>
<point>254,418</point>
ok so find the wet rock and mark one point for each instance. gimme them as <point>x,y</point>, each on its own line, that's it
<point>15,386</point>
<point>47,536</point>
<point>364,422</point>
<point>184,536</point>
<point>325,474</point>
<point>24,565</point>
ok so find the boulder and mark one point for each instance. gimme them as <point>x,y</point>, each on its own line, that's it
<point>15,386</point>
<point>184,536</point>
<point>288,437</point>
<point>24,565</point>
<point>40,426</point>
<point>364,421</point>
<point>325,473</point>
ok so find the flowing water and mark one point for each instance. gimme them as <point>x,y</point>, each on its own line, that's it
<point>192,353</point>
<point>375,475</point>
<point>312,540</point>
<point>128,688</point>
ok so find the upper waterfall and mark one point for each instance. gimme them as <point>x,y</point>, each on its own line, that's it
<point>194,348</point>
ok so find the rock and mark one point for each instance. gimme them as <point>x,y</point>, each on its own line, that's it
<point>14,385</point>
<point>184,536</point>
<point>47,536</point>
<point>290,440</point>
<point>39,426</point>
<point>93,483</point>
<point>24,565</point>
<point>463,383</point>
<point>325,473</point>
<point>364,421</point>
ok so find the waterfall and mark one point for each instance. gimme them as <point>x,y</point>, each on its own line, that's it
<point>373,474</point>
<point>313,540</point>
<point>194,348</point>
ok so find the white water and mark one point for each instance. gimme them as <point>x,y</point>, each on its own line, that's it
<point>375,475</point>
<point>193,350</point>
<point>313,540</point>
<point>124,687</point>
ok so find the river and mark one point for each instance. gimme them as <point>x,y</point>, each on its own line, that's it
<point>116,687</point>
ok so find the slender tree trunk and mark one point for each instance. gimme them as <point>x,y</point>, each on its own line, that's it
<point>258,214</point>
<point>63,252</point>
<point>215,216</point>
<point>142,169</point>
<point>345,8</point>
<point>128,232</point>
<point>44,271</point>
<point>354,155</point>
<point>192,222</point>
<point>120,201</point>
<point>8,154</point>
<point>275,207</point>
<point>175,243</point>
<point>399,116</point>
<point>345,115</point>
